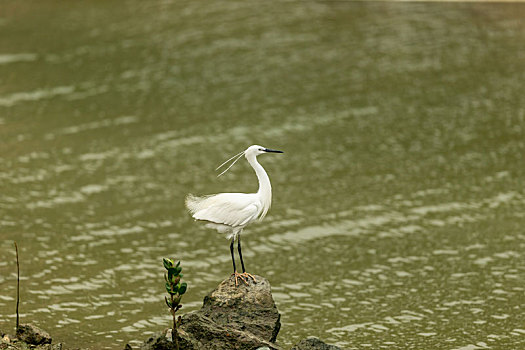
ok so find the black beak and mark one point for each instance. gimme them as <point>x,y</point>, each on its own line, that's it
<point>272,150</point>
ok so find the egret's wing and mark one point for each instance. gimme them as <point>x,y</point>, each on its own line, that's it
<point>232,209</point>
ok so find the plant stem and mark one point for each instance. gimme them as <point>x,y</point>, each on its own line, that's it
<point>174,337</point>
<point>17,287</point>
<point>175,332</point>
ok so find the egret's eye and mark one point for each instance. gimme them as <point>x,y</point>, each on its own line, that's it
<point>260,149</point>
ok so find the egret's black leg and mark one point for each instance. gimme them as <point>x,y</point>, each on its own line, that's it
<point>244,273</point>
<point>235,273</point>
<point>240,254</point>
<point>233,257</point>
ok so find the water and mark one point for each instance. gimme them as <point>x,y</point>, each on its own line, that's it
<point>398,206</point>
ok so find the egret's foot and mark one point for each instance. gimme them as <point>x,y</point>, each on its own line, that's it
<point>240,276</point>
<point>246,275</point>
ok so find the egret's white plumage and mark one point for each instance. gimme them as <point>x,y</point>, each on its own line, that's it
<point>231,209</point>
<point>229,213</point>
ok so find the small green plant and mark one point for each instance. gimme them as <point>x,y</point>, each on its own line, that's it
<point>176,290</point>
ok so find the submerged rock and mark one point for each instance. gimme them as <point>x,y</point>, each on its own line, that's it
<point>28,336</point>
<point>313,343</point>
<point>243,317</point>
<point>33,335</point>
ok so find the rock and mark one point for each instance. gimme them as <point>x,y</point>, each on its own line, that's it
<point>241,318</point>
<point>202,333</point>
<point>32,335</point>
<point>313,343</point>
<point>7,346</point>
<point>158,341</point>
<point>247,308</point>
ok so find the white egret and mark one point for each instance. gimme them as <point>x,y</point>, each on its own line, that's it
<point>229,213</point>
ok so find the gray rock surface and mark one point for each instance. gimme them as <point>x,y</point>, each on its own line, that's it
<point>243,317</point>
<point>247,308</point>
<point>313,343</point>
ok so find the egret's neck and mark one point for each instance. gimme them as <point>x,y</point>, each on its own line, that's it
<point>265,188</point>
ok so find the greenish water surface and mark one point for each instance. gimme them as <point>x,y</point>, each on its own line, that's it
<point>399,209</point>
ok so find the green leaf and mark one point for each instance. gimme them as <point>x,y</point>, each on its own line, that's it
<point>178,263</point>
<point>167,263</point>
<point>165,278</point>
<point>168,302</point>
<point>168,287</point>
<point>182,288</point>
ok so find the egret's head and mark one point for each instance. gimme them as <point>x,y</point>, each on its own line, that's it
<point>251,152</point>
<point>255,150</point>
